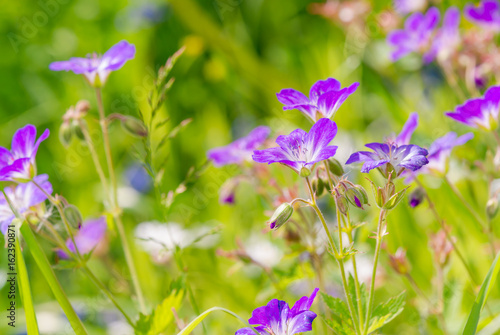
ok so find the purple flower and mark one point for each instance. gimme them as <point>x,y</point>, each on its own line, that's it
<point>479,112</point>
<point>300,149</point>
<point>486,14</point>
<point>19,163</point>
<point>447,37</point>
<point>95,68</point>
<point>416,35</point>
<point>409,6</point>
<point>241,149</point>
<point>440,150</point>
<point>325,97</point>
<point>390,157</point>
<point>22,197</point>
<point>276,318</point>
<point>90,234</point>
<point>409,127</point>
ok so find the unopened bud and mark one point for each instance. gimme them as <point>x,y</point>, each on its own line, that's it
<point>357,196</point>
<point>305,172</point>
<point>73,216</point>
<point>492,207</point>
<point>82,107</point>
<point>65,134</point>
<point>342,204</point>
<point>395,199</point>
<point>318,186</point>
<point>134,126</point>
<point>77,130</point>
<point>335,167</point>
<point>399,262</point>
<point>416,197</point>
<point>281,215</point>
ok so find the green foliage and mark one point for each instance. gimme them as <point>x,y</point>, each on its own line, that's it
<point>340,322</point>
<point>386,312</point>
<point>162,316</point>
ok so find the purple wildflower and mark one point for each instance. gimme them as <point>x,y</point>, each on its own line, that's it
<point>388,157</point>
<point>480,112</point>
<point>440,150</point>
<point>90,234</point>
<point>325,97</point>
<point>22,197</point>
<point>416,35</point>
<point>19,162</point>
<point>301,150</point>
<point>486,14</point>
<point>241,149</point>
<point>409,6</point>
<point>95,68</point>
<point>447,37</point>
<point>276,318</point>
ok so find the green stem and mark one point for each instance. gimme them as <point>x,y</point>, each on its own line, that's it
<point>44,266</point>
<point>337,256</point>
<point>374,272</point>
<point>25,291</point>
<point>355,268</point>
<point>116,209</point>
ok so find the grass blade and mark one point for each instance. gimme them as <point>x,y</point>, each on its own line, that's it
<point>491,277</point>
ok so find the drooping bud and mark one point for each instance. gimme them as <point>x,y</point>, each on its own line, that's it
<point>318,186</point>
<point>335,167</point>
<point>134,126</point>
<point>281,215</point>
<point>77,130</point>
<point>65,134</point>
<point>342,204</point>
<point>399,262</point>
<point>305,172</point>
<point>416,197</point>
<point>73,216</point>
<point>82,107</point>
<point>356,195</point>
<point>492,207</point>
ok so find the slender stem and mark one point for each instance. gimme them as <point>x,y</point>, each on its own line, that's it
<point>448,237</point>
<point>95,158</point>
<point>86,270</point>
<point>337,256</point>
<point>57,204</point>
<point>497,137</point>
<point>374,272</point>
<point>25,291</point>
<point>355,270</point>
<point>47,272</point>
<point>116,210</point>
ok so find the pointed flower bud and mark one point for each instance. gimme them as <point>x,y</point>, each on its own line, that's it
<point>416,197</point>
<point>492,207</point>
<point>77,130</point>
<point>73,215</point>
<point>342,204</point>
<point>134,126</point>
<point>318,186</point>
<point>399,262</point>
<point>335,167</point>
<point>305,172</point>
<point>281,215</point>
<point>356,195</point>
<point>65,133</point>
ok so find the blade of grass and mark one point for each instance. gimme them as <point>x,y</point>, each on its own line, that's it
<point>25,292</point>
<point>491,277</point>
<point>49,275</point>
<point>192,325</point>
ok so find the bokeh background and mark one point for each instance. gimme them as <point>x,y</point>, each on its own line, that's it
<point>239,54</point>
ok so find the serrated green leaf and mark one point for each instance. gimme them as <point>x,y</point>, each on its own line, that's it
<point>386,312</point>
<point>162,317</point>
<point>340,322</point>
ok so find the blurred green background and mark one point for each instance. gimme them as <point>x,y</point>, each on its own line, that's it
<point>239,54</point>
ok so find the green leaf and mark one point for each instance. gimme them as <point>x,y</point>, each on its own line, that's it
<point>491,277</point>
<point>386,312</point>
<point>157,322</point>
<point>25,292</point>
<point>340,321</point>
<point>192,325</point>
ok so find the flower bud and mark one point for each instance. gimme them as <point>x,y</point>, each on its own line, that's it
<point>82,106</point>
<point>395,199</point>
<point>305,172</point>
<point>134,126</point>
<point>492,207</point>
<point>399,262</point>
<point>281,215</point>
<point>318,186</point>
<point>65,134</point>
<point>335,167</point>
<point>357,196</point>
<point>416,197</point>
<point>77,130</point>
<point>73,216</point>
<point>342,204</point>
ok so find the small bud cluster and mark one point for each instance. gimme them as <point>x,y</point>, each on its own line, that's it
<point>73,122</point>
